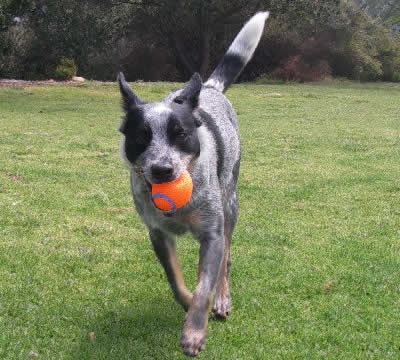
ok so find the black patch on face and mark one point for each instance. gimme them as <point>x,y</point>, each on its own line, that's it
<point>182,130</point>
<point>137,133</point>
<point>209,122</point>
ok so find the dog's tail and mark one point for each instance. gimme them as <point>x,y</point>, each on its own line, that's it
<point>239,53</point>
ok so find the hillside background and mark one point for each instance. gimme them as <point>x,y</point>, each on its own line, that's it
<point>152,40</point>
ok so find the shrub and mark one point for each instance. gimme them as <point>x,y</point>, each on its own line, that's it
<point>66,69</point>
<point>159,64</point>
<point>297,69</point>
<point>390,59</point>
<point>289,56</point>
<point>273,51</point>
<point>396,77</point>
<point>13,53</point>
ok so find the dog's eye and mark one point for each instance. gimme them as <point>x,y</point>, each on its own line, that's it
<point>178,100</point>
<point>140,140</point>
<point>143,137</point>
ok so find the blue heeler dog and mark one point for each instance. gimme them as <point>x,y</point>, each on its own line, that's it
<point>195,129</point>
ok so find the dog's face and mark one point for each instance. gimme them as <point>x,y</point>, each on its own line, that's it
<point>161,138</point>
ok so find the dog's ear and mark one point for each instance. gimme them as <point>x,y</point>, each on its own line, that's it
<point>190,93</point>
<point>129,98</point>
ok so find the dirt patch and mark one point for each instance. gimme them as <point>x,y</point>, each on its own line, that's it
<point>14,177</point>
<point>23,83</point>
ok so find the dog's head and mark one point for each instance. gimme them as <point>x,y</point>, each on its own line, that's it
<point>160,139</point>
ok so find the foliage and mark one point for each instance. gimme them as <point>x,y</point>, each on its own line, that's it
<point>384,9</point>
<point>297,69</point>
<point>292,57</point>
<point>9,9</point>
<point>193,32</point>
<point>15,49</point>
<point>66,69</point>
<point>366,51</point>
<point>168,40</point>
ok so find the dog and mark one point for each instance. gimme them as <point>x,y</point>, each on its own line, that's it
<point>192,129</point>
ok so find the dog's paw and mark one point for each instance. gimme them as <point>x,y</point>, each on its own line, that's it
<point>192,341</point>
<point>222,306</point>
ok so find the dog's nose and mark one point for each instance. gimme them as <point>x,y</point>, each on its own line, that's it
<point>162,172</point>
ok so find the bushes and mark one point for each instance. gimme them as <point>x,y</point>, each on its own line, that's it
<point>365,50</point>
<point>66,69</point>
<point>149,63</point>
<point>289,57</point>
<point>311,62</point>
<point>304,41</point>
<point>353,46</point>
<point>15,42</point>
<point>396,77</point>
<point>297,69</point>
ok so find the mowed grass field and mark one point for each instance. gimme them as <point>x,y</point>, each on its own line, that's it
<point>316,253</point>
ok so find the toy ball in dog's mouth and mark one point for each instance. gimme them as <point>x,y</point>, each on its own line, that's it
<point>172,195</point>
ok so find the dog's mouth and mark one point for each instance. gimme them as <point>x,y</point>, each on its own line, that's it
<point>156,180</point>
<point>148,184</point>
<point>140,172</point>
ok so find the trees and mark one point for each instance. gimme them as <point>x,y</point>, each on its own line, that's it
<point>169,40</point>
<point>189,29</point>
<point>12,33</point>
<point>383,9</point>
<point>52,30</point>
<point>364,48</point>
<point>196,33</point>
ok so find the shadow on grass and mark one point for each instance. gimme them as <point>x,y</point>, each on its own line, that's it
<point>146,330</point>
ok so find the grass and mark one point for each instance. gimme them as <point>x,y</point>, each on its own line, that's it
<point>316,253</point>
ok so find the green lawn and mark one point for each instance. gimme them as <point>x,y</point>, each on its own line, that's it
<point>316,253</point>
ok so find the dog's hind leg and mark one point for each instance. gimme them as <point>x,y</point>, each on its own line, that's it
<point>222,305</point>
<point>164,247</point>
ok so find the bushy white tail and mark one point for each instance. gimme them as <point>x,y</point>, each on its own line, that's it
<point>239,53</point>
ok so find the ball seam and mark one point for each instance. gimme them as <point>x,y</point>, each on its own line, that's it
<point>165,197</point>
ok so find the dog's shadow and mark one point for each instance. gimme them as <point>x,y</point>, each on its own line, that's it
<point>145,330</point>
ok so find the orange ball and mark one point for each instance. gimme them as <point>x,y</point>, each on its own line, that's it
<point>174,194</point>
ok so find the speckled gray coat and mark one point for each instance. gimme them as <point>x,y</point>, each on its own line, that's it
<point>192,129</point>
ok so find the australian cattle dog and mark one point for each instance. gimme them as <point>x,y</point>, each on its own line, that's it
<point>192,129</point>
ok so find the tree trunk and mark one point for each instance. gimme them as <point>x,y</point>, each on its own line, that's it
<point>179,50</point>
<point>205,36</point>
<point>205,56</point>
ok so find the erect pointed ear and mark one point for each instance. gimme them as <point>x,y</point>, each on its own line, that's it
<point>129,98</point>
<point>190,93</point>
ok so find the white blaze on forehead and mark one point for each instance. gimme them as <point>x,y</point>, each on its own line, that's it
<point>156,115</point>
<point>160,109</point>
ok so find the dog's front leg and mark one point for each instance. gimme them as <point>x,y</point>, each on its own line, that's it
<point>164,247</point>
<point>211,255</point>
